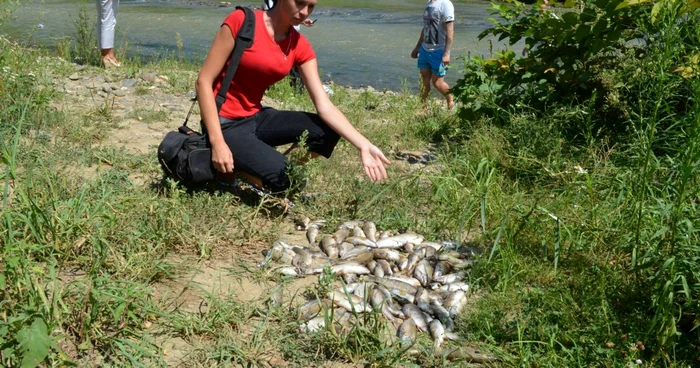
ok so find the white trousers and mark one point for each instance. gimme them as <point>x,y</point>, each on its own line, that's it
<point>106,21</point>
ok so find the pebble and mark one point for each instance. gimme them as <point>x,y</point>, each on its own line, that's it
<point>74,76</point>
<point>128,83</point>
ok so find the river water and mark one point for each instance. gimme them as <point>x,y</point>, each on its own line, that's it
<point>357,42</point>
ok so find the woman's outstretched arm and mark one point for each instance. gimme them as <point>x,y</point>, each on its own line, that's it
<point>373,160</point>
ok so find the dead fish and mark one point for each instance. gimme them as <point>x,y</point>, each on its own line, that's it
<point>402,296</point>
<point>408,247</point>
<point>313,325</point>
<point>441,268</point>
<point>429,252</point>
<point>433,245</point>
<point>378,271</point>
<point>392,283</point>
<point>289,271</point>
<point>357,231</point>
<point>407,330</point>
<point>356,240</point>
<point>371,265</point>
<point>398,241</point>
<point>386,266</point>
<point>349,278</point>
<point>423,272</point>
<point>422,300</point>
<point>311,234</point>
<point>350,224</point>
<point>448,279</point>
<point>344,248</point>
<point>413,260</point>
<point>412,312</point>
<point>455,302</point>
<point>388,301</point>
<point>302,223</point>
<point>311,309</point>
<point>387,254</point>
<point>317,224</point>
<point>409,280</point>
<point>361,257</point>
<point>402,264</point>
<point>370,230</point>
<point>454,287</point>
<point>329,246</point>
<point>303,257</point>
<point>351,303</point>
<point>349,267</point>
<point>384,234</point>
<point>340,235</point>
<point>355,251</point>
<point>437,332</point>
<point>442,314</point>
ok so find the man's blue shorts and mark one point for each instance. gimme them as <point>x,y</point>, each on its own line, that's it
<point>432,60</point>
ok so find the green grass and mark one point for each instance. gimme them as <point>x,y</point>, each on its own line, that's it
<point>589,241</point>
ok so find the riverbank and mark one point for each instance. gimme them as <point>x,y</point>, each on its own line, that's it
<point>358,44</point>
<point>580,232</point>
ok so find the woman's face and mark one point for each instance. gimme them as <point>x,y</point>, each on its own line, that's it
<point>297,10</point>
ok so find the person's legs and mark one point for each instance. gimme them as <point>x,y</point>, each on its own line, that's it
<point>437,71</point>
<point>252,144</point>
<point>106,22</point>
<point>253,159</point>
<point>425,76</point>
<point>444,89</point>
<point>283,127</point>
<point>424,67</point>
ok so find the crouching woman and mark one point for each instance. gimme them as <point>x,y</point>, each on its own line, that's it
<point>243,135</point>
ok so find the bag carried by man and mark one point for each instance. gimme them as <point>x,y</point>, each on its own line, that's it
<point>184,154</point>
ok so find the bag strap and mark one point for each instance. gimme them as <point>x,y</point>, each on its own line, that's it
<point>244,40</point>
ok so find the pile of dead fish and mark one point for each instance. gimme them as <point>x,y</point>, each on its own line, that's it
<point>417,285</point>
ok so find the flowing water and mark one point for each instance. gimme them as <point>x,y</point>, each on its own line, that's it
<point>357,42</point>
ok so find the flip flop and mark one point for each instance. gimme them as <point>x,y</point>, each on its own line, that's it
<point>112,63</point>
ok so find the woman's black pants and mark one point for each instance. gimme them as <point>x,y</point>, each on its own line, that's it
<point>253,140</point>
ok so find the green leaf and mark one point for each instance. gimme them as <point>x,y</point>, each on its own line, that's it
<point>2,281</point>
<point>34,343</point>
<point>582,32</point>
<point>571,18</point>
<point>600,27</point>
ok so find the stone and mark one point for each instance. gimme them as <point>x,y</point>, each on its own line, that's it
<point>149,77</point>
<point>130,82</point>
<point>74,76</point>
<point>106,87</point>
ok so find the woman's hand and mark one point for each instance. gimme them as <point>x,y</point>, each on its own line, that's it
<point>373,161</point>
<point>222,158</point>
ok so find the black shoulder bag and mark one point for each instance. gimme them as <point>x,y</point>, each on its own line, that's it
<point>185,154</point>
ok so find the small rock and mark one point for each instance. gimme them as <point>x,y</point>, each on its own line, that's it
<point>108,79</point>
<point>119,92</point>
<point>106,87</point>
<point>74,76</point>
<point>149,77</point>
<point>80,67</point>
<point>128,83</point>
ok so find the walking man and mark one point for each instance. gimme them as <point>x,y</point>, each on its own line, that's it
<point>433,48</point>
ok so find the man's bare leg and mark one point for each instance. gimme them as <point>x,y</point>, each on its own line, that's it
<point>425,75</point>
<point>444,89</point>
